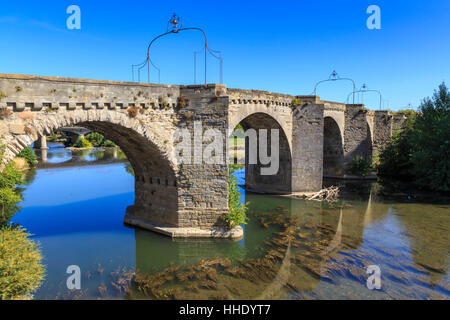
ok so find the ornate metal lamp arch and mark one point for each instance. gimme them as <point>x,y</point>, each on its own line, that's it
<point>363,90</point>
<point>216,54</point>
<point>139,66</point>
<point>177,26</point>
<point>335,77</point>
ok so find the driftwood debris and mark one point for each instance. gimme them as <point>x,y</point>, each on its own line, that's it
<point>329,194</point>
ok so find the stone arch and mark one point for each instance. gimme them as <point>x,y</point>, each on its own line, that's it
<point>240,112</point>
<point>156,178</point>
<point>333,147</point>
<point>279,183</point>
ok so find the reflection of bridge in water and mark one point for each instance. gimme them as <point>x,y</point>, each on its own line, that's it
<point>64,158</point>
<point>347,226</point>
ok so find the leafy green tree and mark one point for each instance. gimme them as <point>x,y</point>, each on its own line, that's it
<point>431,138</point>
<point>360,166</point>
<point>394,161</point>
<point>420,153</point>
<point>82,143</point>
<point>95,138</point>
<point>108,144</point>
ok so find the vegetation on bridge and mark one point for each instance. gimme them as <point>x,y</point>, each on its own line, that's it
<point>237,211</point>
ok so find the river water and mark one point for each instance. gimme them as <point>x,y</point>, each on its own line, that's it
<point>74,205</point>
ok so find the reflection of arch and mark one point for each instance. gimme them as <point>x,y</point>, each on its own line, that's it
<point>155,178</point>
<point>281,279</point>
<point>337,239</point>
<point>368,212</point>
<point>333,148</point>
<point>281,182</point>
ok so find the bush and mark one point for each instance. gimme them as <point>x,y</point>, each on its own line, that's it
<point>236,210</point>
<point>10,177</point>
<point>29,155</point>
<point>108,144</point>
<point>420,153</point>
<point>133,112</point>
<point>183,101</point>
<point>21,271</point>
<point>82,143</point>
<point>394,160</point>
<point>360,166</point>
<point>95,138</point>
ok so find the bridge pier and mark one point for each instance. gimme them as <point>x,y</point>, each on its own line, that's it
<point>41,143</point>
<point>43,155</point>
<point>307,146</point>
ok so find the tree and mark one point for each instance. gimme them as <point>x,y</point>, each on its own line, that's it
<point>420,153</point>
<point>95,138</point>
<point>430,158</point>
<point>21,271</point>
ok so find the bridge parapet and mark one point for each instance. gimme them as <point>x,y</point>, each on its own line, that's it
<point>32,93</point>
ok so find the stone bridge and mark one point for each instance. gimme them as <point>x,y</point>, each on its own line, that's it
<point>72,133</point>
<point>189,200</point>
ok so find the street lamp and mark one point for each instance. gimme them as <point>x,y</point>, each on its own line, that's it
<point>363,90</point>
<point>335,77</point>
<point>174,26</point>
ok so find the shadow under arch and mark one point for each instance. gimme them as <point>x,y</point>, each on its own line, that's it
<point>255,181</point>
<point>156,185</point>
<point>333,149</point>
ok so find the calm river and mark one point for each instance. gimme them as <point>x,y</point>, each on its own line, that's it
<point>74,205</point>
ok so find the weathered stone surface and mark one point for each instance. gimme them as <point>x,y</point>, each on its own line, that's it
<point>143,118</point>
<point>17,129</point>
<point>4,128</point>
<point>183,232</point>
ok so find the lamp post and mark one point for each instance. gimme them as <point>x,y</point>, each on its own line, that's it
<point>174,26</point>
<point>140,65</point>
<point>216,54</point>
<point>363,90</point>
<point>335,77</point>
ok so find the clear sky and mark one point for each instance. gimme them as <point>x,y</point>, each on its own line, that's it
<point>280,46</point>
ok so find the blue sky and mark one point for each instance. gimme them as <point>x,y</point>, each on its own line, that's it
<point>281,46</point>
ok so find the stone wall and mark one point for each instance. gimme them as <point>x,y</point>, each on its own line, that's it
<point>357,134</point>
<point>142,120</point>
<point>307,154</point>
